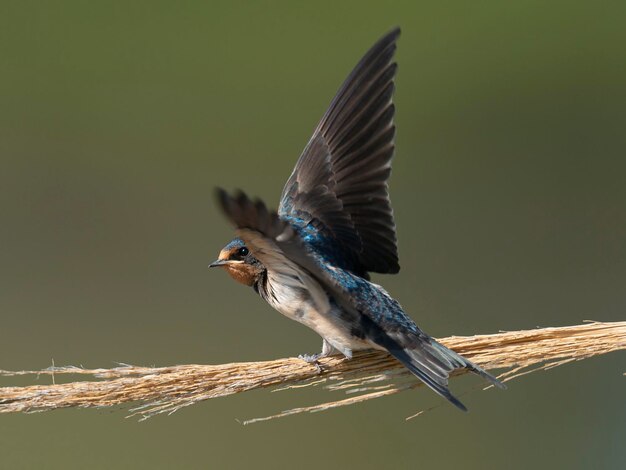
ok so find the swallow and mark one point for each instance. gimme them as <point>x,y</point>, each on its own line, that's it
<point>311,259</point>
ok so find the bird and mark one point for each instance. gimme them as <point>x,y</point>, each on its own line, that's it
<point>311,259</point>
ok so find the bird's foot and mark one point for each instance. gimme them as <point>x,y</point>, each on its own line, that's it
<point>327,350</point>
<point>310,358</point>
<point>313,359</point>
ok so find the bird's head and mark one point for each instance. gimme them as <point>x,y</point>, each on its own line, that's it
<point>238,261</point>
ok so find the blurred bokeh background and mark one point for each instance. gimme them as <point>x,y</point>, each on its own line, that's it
<point>117,120</point>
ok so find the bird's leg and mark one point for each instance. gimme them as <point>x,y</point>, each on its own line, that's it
<point>327,350</point>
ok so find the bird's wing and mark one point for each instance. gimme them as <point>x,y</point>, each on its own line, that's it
<point>371,313</point>
<point>339,183</point>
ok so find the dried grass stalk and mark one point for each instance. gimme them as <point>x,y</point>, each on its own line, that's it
<point>368,375</point>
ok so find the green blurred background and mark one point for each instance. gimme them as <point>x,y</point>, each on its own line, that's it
<point>117,120</point>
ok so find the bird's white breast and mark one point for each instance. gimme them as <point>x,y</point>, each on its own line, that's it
<point>294,301</point>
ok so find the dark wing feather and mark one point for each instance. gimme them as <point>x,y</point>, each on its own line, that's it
<point>272,240</point>
<point>339,183</point>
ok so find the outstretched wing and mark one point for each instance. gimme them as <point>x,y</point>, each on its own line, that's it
<point>339,183</point>
<point>369,311</point>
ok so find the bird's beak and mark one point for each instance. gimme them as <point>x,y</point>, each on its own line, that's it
<point>218,262</point>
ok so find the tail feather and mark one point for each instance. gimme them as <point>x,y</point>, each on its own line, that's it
<point>432,363</point>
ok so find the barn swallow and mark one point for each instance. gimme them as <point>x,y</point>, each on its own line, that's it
<point>310,260</point>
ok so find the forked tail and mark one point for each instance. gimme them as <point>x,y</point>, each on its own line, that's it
<point>432,363</point>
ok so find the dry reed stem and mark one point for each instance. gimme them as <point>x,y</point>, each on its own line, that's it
<point>368,375</point>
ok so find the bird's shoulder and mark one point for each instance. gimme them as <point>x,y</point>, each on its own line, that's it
<point>322,247</point>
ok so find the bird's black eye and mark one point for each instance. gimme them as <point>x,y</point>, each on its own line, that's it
<point>243,251</point>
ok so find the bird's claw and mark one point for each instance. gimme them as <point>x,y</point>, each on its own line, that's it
<point>313,360</point>
<point>310,358</point>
